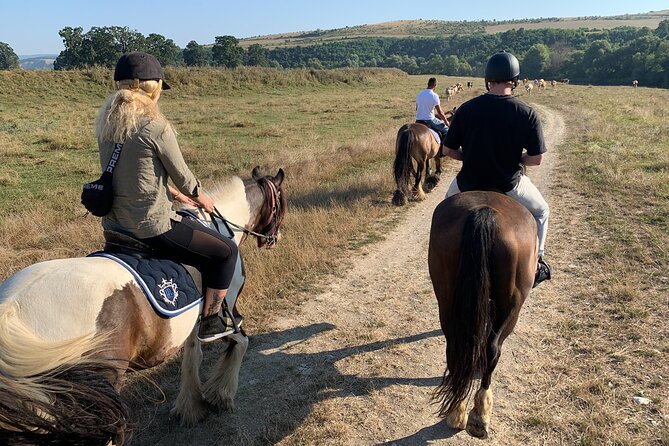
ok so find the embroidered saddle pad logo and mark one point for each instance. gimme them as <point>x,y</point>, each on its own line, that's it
<point>169,291</point>
<point>167,284</point>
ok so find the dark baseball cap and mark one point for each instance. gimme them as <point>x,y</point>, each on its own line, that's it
<point>139,65</point>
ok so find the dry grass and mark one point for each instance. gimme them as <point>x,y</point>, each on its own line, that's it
<point>608,341</point>
<point>572,23</point>
<point>612,341</point>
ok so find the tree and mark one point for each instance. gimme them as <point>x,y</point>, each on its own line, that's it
<point>464,69</point>
<point>536,61</point>
<point>434,65</point>
<point>8,58</point>
<point>559,53</point>
<point>594,60</point>
<point>196,55</point>
<point>314,63</point>
<point>256,55</point>
<point>226,52</point>
<point>165,50</point>
<point>451,65</point>
<point>662,30</point>
<point>99,46</point>
<point>71,57</point>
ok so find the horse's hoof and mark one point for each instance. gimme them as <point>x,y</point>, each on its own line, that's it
<point>399,199</point>
<point>219,403</point>
<point>476,427</point>
<point>431,183</point>
<point>217,400</point>
<point>193,415</point>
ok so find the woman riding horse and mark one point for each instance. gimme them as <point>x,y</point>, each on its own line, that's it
<point>71,328</point>
<point>142,206</point>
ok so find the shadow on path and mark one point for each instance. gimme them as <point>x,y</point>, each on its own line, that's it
<point>277,391</point>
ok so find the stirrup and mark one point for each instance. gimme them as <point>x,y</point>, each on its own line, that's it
<point>544,272</point>
<point>212,328</point>
<point>230,319</point>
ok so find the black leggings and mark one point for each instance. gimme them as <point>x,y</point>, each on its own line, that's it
<point>213,254</point>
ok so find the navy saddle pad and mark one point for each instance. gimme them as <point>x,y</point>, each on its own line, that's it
<point>167,285</point>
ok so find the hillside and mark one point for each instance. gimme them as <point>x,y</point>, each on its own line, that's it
<point>435,28</point>
<point>38,63</point>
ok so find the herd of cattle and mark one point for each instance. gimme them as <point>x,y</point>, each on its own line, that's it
<point>529,86</point>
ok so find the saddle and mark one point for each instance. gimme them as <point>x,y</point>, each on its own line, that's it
<point>437,135</point>
<point>170,287</point>
<point>123,244</point>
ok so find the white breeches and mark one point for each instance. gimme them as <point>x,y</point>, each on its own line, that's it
<point>529,196</point>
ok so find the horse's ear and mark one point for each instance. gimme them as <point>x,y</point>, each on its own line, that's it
<point>278,178</point>
<point>256,173</point>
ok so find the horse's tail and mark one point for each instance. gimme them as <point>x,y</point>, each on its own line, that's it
<point>403,167</point>
<point>55,392</point>
<point>469,321</point>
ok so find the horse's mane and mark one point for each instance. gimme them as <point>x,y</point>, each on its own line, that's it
<point>230,198</point>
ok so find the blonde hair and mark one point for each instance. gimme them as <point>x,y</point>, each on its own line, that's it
<point>130,108</point>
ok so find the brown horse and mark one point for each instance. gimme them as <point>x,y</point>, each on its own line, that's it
<point>482,260</point>
<point>416,142</point>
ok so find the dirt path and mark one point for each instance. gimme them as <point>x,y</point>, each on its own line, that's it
<point>357,364</point>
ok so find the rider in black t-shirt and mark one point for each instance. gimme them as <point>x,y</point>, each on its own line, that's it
<point>494,135</point>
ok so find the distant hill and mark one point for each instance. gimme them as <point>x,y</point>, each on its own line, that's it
<point>37,61</point>
<point>435,28</point>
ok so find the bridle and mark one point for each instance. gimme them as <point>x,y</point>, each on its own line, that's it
<point>270,227</point>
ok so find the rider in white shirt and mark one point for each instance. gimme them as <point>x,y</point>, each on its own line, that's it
<point>428,109</point>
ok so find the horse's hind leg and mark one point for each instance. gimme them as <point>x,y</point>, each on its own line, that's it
<point>190,406</point>
<point>419,195</point>
<point>221,387</point>
<point>457,417</point>
<point>431,181</point>
<point>479,417</point>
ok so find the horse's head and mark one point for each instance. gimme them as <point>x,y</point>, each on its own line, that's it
<point>449,115</point>
<point>271,208</point>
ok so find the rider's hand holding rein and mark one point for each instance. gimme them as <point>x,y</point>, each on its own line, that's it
<point>204,202</point>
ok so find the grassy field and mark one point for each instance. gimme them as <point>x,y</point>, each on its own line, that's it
<point>333,133</point>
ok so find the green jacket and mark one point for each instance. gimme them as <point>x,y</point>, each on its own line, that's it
<point>142,202</point>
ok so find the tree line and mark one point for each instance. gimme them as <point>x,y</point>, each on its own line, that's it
<point>604,57</point>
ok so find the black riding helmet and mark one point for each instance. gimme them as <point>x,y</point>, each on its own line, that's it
<point>502,67</point>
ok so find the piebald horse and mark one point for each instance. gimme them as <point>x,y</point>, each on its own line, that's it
<point>482,259</point>
<point>416,142</point>
<point>71,328</point>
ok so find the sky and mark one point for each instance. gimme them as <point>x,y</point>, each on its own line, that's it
<point>31,26</point>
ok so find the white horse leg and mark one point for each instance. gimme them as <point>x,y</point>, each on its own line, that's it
<point>221,387</point>
<point>457,417</point>
<point>189,405</point>
<point>479,416</point>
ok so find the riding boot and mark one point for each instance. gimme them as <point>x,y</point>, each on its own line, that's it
<point>213,327</point>
<point>544,272</point>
